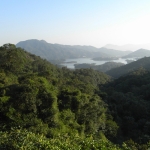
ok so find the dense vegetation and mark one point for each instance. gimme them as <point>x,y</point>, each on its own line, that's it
<point>133,66</point>
<point>128,99</point>
<point>45,107</point>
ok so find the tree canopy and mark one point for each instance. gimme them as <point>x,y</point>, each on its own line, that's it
<point>37,98</point>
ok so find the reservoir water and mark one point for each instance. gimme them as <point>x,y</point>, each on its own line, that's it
<point>69,63</point>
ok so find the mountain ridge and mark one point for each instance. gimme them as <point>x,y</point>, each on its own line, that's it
<point>138,53</point>
<point>57,51</point>
<point>126,69</point>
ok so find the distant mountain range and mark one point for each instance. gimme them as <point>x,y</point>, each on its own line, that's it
<point>113,52</point>
<point>56,51</point>
<point>130,47</point>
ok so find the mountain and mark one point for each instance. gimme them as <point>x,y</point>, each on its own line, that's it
<point>57,51</point>
<point>123,70</point>
<point>128,98</point>
<point>42,106</point>
<point>130,47</point>
<point>139,53</point>
<point>114,52</point>
<point>39,97</point>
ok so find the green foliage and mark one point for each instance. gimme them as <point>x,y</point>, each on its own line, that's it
<point>129,103</point>
<point>69,109</point>
<point>142,64</point>
<point>44,99</point>
<point>18,139</point>
<point>111,129</point>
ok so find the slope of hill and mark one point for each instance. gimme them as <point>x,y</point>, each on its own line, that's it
<point>39,97</point>
<point>69,109</point>
<point>57,51</point>
<point>113,52</point>
<point>128,98</point>
<point>139,53</point>
<point>123,70</point>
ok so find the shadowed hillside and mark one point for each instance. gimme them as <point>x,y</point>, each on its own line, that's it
<point>123,70</point>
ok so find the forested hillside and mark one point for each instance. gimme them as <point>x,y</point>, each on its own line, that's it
<point>124,70</point>
<point>45,107</point>
<point>103,68</point>
<point>128,99</point>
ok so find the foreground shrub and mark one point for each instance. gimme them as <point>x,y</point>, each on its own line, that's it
<point>18,139</point>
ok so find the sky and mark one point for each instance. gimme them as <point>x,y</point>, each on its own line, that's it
<point>75,22</point>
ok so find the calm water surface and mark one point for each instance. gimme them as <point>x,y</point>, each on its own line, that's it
<point>69,63</point>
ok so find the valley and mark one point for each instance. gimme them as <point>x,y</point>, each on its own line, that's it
<point>39,100</point>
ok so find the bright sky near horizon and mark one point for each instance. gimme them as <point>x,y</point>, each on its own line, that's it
<point>76,22</point>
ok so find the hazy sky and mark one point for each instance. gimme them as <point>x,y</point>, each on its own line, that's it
<point>76,22</point>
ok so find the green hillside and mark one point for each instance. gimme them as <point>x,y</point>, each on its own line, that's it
<point>123,70</point>
<point>45,107</point>
<point>128,99</point>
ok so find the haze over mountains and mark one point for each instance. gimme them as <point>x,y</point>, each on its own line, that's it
<point>139,53</point>
<point>57,51</point>
<point>130,47</point>
<point>61,52</point>
<point>143,64</point>
<point>113,52</point>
